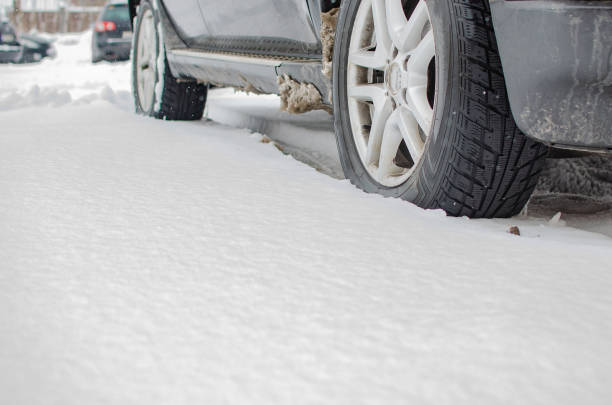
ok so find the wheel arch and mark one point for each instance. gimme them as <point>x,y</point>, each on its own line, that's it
<point>172,38</point>
<point>132,5</point>
<point>327,5</point>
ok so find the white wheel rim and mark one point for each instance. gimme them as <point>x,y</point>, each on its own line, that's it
<point>146,61</point>
<point>387,83</point>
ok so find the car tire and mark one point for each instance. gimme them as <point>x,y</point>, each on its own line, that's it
<point>462,153</point>
<point>156,91</point>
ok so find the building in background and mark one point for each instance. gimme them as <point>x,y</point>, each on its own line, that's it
<point>53,15</point>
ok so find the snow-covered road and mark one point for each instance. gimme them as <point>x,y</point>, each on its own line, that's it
<point>149,262</point>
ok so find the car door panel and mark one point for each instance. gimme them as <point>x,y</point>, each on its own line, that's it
<point>260,26</point>
<point>187,18</point>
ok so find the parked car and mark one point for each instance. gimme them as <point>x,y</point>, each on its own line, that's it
<point>10,48</point>
<point>112,36</point>
<point>35,48</point>
<point>23,48</point>
<point>450,104</point>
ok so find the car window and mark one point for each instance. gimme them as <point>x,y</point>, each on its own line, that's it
<point>117,13</point>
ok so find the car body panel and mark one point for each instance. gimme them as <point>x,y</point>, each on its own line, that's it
<point>557,61</point>
<point>271,22</point>
<point>250,70</point>
<point>187,19</point>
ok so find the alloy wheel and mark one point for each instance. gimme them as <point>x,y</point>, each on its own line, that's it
<point>146,55</point>
<point>390,84</point>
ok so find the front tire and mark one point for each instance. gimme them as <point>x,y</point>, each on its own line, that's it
<point>421,110</point>
<point>155,90</point>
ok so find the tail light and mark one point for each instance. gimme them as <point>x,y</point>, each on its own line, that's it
<point>102,26</point>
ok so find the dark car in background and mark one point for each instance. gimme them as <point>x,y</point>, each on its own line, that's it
<point>10,48</point>
<point>451,104</point>
<point>112,34</point>
<point>23,48</point>
<point>35,48</point>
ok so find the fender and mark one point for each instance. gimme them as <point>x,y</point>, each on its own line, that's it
<point>172,39</point>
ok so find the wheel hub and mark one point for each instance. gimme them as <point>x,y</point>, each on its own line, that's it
<point>393,78</point>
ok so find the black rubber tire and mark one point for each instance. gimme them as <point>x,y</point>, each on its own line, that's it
<point>182,100</point>
<point>476,162</point>
<point>95,57</point>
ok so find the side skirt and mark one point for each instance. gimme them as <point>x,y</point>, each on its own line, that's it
<point>254,73</point>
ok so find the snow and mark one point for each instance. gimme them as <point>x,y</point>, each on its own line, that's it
<point>70,79</point>
<point>146,261</point>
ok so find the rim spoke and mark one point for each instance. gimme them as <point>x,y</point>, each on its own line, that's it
<point>143,93</point>
<point>409,129</point>
<point>406,34</point>
<point>380,115</point>
<point>383,41</point>
<point>391,139</point>
<point>147,35</point>
<point>146,83</point>
<point>142,49</point>
<point>416,92</point>
<point>422,54</point>
<point>420,109</point>
<point>369,59</point>
<point>368,92</point>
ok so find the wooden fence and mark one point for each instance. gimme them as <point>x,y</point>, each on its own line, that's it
<point>63,20</point>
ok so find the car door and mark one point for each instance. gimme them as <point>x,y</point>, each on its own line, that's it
<point>261,26</point>
<point>187,18</point>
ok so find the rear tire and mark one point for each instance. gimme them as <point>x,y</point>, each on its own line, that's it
<point>156,91</point>
<point>470,159</point>
<point>95,56</point>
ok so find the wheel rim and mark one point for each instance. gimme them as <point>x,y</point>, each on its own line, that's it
<point>146,61</point>
<point>389,87</point>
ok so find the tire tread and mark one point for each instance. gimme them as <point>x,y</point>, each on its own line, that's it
<point>181,101</point>
<point>512,160</point>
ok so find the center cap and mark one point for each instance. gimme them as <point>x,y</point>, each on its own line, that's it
<point>394,78</point>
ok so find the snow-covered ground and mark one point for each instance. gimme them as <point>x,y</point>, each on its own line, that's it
<point>148,262</point>
<point>70,79</point>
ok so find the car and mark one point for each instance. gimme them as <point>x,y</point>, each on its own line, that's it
<point>23,48</point>
<point>451,104</point>
<point>10,48</point>
<point>112,34</point>
<point>35,48</point>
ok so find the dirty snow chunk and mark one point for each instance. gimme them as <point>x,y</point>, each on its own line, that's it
<point>556,220</point>
<point>329,21</point>
<point>298,98</point>
<point>590,176</point>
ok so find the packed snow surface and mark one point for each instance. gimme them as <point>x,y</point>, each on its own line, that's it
<point>152,262</point>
